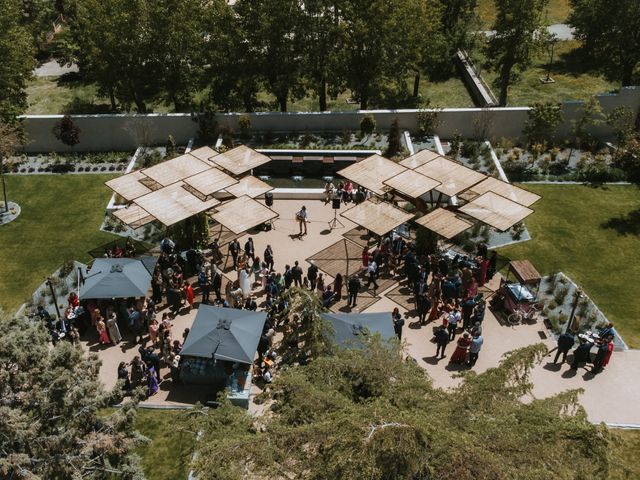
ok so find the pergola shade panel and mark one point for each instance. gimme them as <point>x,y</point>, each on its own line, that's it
<point>134,216</point>
<point>243,213</point>
<point>128,186</point>
<point>372,172</point>
<point>204,153</point>
<point>420,158</point>
<point>174,203</point>
<point>210,181</point>
<point>504,189</point>
<point>176,169</point>
<point>444,222</point>
<point>499,212</point>
<point>380,218</point>
<point>250,186</point>
<point>412,184</point>
<point>454,177</point>
<point>240,160</point>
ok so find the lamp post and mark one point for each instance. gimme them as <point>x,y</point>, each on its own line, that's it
<point>55,299</point>
<point>4,186</point>
<point>577,295</point>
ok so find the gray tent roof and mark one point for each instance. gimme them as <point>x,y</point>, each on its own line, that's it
<point>118,278</point>
<point>348,326</point>
<point>225,334</point>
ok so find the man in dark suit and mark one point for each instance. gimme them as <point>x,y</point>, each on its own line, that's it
<point>353,287</point>
<point>234,250</point>
<point>249,250</point>
<point>216,283</point>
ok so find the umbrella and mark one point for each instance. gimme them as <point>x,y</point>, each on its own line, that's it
<point>224,334</point>
<point>118,278</point>
<point>349,327</point>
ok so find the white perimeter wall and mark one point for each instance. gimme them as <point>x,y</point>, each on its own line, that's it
<point>128,131</point>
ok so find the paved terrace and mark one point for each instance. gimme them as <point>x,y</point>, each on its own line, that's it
<point>611,396</point>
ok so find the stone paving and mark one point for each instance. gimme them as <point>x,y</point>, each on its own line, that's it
<point>610,397</point>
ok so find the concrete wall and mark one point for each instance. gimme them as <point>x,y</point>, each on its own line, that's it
<point>128,131</point>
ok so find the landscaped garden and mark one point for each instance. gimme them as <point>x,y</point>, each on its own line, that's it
<point>60,221</point>
<point>590,234</point>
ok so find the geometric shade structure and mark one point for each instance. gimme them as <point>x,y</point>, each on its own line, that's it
<point>380,218</point>
<point>224,334</point>
<point>174,203</point>
<point>372,172</point>
<point>204,153</point>
<point>412,184</point>
<point>176,169</point>
<point>240,160</point>
<point>350,328</point>
<point>128,186</point>
<point>118,278</point>
<point>133,215</point>
<point>455,178</point>
<point>243,213</point>
<point>499,212</point>
<point>210,181</point>
<point>420,158</point>
<point>444,222</point>
<point>250,186</point>
<point>504,189</point>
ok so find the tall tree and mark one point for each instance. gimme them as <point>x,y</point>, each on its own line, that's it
<point>52,419</point>
<point>459,24</point>
<point>10,139</point>
<point>517,37</point>
<point>275,43</point>
<point>16,61</point>
<point>611,34</point>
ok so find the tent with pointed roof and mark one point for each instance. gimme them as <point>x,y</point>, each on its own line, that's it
<point>349,328</point>
<point>224,334</point>
<point>118,278</point>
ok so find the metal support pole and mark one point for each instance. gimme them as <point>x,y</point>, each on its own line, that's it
<point>55,299</point>
<point>577,295</point>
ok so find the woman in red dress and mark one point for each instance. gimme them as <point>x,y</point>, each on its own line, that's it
<point>365,257</point>
<point>73,300</point>
<point>435,311</point>
<point>460,354</point>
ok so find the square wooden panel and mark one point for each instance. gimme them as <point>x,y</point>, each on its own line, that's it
<point>412,184</point>
<point>372,172</point>
<point>380,218</point>
<point>240,160</point>
<point>128,186</point>
<point>419,158</point>
<point>210,181</point>
<point>250,186</point>
<point>454,177</point>
<point>444,222</point>
<point>243,213</point>
<point>176,169</point>
<point>204,153</point>
<point>507,190</point>
<point>497,211</point>
<point>133,215</point>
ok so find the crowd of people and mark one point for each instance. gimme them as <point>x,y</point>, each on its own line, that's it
<point>603,342</point>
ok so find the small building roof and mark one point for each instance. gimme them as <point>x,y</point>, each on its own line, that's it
<point>497,211</point>
<point>174,203</point>
<point>240,160</point>
<point>454,177</point>
<point>204,153</point>
<point>243,213</point>
<point>128,186</point>
<point>524,271</point>
<point>176,169</point>
<point>380,217</point>
<point>507,190</point>
<point>444,222</point>
<point>372,172</point>
<point>419,158</point>
<point>412,184</point>
<point>250,186</point>
<point>210,181</point>
<point>133,215</point>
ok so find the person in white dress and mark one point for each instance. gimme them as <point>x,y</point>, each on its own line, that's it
<point>244,279</point>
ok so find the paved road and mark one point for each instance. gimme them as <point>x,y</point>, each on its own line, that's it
<point>53,69</point>
<point>560,30</point>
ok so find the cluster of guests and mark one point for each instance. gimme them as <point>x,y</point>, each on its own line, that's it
<point>116,251</point>
<point>582,353</point>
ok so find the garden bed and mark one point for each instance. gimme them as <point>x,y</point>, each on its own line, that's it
<point>101,162</point>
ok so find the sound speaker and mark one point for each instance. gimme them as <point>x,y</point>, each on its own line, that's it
<point>268,199</point>
<point>335,204</point>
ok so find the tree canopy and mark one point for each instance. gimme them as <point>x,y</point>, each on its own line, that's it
<point>52,422</point>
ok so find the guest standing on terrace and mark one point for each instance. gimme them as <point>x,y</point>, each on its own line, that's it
<point>303,218</point>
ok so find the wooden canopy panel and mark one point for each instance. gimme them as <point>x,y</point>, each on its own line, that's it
<point>204,153</point>
<point>240,160</point>
<point>250,186</point>
<point>497,211</point>
<point>174,203</point>
<point>210,181</point>
<point>444,222</point>
<point>243,213</point>
<point>454,177</point>
<point>176,169</point>
<point>412,184</point>
<point>380,218</point>
<point>133,215</point>
<point>128,186</point>
<point>504,189</point>
<point>372,172</point>
<point>420,158</point>
<point>524,271</point>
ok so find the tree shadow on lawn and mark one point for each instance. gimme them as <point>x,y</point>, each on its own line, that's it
<point>628,224</point>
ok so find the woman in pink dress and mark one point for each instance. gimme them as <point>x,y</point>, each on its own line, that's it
<point>101,327</point>
<point>460,354</point>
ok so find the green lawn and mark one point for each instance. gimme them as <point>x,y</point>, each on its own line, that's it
<point>557,12</point>
<point>60,221</point>
<point>570,234</point>
<point>168,455</point>
<point>625,454</point>
<point>574,79</point>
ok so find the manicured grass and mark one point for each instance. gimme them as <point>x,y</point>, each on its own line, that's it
<point>60,221</point>
<point>557,12</point>
<point>574,79</point>
<point>625,454</point>
<point>572,232</point>
<point>168,455</point>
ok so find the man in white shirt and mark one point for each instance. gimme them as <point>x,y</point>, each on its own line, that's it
<point>303,218</point>
<point>371,271</point>
<point>452,327</point>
